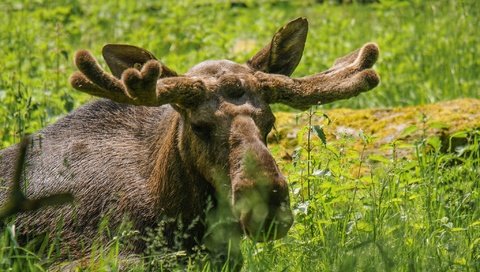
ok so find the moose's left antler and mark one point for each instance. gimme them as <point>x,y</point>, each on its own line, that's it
<point>349,76</point>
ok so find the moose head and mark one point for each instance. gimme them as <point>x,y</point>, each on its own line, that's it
<point>224,113</point>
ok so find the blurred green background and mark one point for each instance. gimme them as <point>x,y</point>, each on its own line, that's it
<point>429,49</point>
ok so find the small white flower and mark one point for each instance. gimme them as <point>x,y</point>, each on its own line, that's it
<point>320,173</point>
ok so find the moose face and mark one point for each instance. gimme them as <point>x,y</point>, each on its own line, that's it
<point>225,111</point>
<point>227,132</point>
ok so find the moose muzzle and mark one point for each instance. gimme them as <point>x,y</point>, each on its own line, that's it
<point>260,192</point>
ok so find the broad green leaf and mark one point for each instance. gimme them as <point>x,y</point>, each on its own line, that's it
<point>408,131</point>
<point>320,133</point>
<point>438,125</point>
<point>378,158</point>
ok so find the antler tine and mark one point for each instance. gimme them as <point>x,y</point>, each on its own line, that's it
<point>180,90</point>
<point>348,77</point>
<point>90,68</point>
<point>136,87</point>
<point>141,84</point>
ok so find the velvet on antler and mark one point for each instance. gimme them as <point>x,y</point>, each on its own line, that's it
<point>147,86</point>
<point>348,77</point>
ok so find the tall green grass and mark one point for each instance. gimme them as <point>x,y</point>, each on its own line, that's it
<point>353,211</point>
<point>363,211</point>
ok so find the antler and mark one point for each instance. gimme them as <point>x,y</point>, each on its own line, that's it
<point>349,76</point>
<point>147,87</point>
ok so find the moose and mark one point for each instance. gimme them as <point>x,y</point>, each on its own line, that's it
<point>166,145</point>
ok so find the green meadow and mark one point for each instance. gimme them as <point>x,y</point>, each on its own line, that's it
<point>354,211</point>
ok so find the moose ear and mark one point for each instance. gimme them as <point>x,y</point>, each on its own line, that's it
<point>120,57</point>
<point>283,53</point>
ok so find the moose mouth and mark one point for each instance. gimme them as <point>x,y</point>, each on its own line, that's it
<point>262,225</point>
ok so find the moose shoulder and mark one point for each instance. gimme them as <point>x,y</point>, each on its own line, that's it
<point>162,145</point>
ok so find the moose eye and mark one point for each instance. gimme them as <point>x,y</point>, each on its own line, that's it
<point>202,130</point>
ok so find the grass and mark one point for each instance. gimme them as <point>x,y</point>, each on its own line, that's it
<point>353,211</point>
<point>365,212</point>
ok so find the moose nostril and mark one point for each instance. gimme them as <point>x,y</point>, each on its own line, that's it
<point>279,195</point>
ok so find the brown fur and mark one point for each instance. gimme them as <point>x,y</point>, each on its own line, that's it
<point>162,145</point>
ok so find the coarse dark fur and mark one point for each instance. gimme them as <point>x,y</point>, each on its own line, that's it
<point>104,153</point>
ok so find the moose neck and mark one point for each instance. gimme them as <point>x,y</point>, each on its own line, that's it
<point>174,181</point>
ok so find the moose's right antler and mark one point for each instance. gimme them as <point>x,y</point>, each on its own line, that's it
<point>349,76</point>
<point>147,87</point>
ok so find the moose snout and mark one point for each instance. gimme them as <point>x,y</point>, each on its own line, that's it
<point>260,198</point>
<point>259,190</point>
<point>263,210</point>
